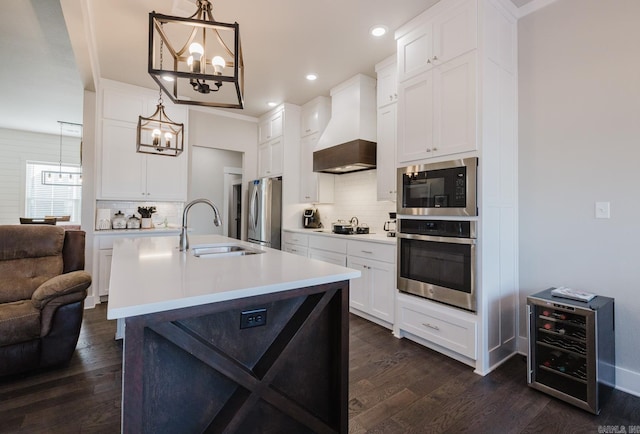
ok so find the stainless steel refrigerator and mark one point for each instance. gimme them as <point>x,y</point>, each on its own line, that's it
<point>265,212</point>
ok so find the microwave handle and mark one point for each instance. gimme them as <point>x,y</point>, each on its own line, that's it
<point>450,240</point>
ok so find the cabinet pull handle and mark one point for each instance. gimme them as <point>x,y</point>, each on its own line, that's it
<point>366,251</point>
<point>431,326</point>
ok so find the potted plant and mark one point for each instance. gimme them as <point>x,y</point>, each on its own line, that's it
<point>145,212</point>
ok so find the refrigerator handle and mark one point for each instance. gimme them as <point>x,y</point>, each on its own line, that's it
<point>253,208</point>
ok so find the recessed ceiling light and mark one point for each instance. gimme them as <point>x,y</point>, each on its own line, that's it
<point>272,103</point>
<point>311,77</point>
<point>378,30</point>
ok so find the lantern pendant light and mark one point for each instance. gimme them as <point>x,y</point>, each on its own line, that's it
<point>158,134</point>
<point>205,66</point>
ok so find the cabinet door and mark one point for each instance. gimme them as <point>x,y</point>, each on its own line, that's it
<point>277,157</point>
<point>264,160</point>
<point>454,32</point>
<point>415,51</point>
<point>166,178</point>
<point>455,110</point>
<point>382,287</point>
<point>415,118</point>
<point>387,85</point>
<point>308,178</point>
<point>359,288</point>
<point>386,153</point>
<point>270,158</point>
<point>310,119</point>
<point>104,270</point>
<point>270,127</point>
<point>122,168</point>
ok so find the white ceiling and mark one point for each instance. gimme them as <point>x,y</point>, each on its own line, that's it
<point>282,41</point>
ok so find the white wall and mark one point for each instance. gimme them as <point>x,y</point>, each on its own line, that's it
<point>579,134</point>
<point>206,180</point>
<point>356,195</point>
<point>18,147</point>
<point>238,133</point>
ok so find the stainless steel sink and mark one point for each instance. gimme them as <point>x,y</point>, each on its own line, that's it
<point>223,250</point>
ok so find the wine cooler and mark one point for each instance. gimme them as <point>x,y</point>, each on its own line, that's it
<point>571,348</point>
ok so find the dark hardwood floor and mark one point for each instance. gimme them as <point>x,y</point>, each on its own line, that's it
<point>396,386</point>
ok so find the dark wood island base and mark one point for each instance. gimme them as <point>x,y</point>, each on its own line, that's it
<point>196,370</point>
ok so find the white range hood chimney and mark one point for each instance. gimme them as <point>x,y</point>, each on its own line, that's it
<point>348,142</point>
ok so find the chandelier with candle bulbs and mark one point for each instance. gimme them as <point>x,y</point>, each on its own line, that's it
<point>197,60</point>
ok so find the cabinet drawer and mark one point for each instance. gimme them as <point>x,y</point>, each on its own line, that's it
<point>295,249</point>
<point>328,243</point>
<point>449,331</point>
<point>330,257</point>
<point>377,251</point>
<point>295,238</point>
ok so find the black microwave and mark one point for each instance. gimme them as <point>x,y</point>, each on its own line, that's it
<point>447,188</point>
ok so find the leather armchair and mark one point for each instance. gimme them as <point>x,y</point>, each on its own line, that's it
<point>42,292</point>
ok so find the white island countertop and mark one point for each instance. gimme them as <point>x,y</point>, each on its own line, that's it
<point>150,274</point>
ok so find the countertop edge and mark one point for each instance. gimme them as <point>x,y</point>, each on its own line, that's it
<point>163,306</point>
<point>371,238</point>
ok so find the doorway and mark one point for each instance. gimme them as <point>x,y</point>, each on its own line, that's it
<point>210,169</point>
<point>232,202</point>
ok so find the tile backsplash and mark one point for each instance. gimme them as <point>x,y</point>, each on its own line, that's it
<point>356,195</point>
<point>169,211</point>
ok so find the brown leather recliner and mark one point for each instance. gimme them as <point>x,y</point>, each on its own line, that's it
<point>42,292</point>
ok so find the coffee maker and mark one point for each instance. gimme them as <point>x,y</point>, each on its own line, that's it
<point>390,225</point>
<point>311,218</point>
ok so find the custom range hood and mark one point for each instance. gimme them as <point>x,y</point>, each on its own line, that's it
<point>348,142</point>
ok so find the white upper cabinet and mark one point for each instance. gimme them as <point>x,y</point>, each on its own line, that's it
<point>314,187</point>
<point>125,174</point>
<point>387,74</point>
<point>438,37</point>
<point>270,127</point>
<point>387,128</point>
<point>386,153</point>
<point>315,115</point>
<point>270,158</point>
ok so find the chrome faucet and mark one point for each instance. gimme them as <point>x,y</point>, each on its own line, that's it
<point>184,238</point>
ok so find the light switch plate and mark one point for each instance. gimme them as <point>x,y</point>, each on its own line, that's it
<point>603,210</point>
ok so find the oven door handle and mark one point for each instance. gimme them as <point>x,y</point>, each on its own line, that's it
<point>450,240</point>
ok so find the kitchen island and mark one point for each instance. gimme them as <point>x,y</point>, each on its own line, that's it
<point>230,342</point>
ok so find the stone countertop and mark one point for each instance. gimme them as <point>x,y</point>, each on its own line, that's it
<point>150,274</point>
<point>375,237</point>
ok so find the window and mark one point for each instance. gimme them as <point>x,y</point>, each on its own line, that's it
<point>60,197</point>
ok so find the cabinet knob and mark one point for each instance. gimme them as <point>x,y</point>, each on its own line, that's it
<point>390,97</point>
<point>428,149</point>
<point>435,149</point>
<point>435,58</point>
<point>428,61</point>
<point>395,96</point>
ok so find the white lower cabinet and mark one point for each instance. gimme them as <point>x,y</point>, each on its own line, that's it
<point>373,295</point>
<point>452,331</point>
<point>295,243</point>
<point>104,270</point>
<point>328,249</point>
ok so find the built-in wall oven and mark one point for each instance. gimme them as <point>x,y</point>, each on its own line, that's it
<point>437,260</point>
<point>446,188</point>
